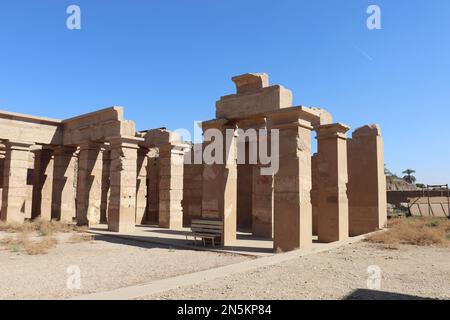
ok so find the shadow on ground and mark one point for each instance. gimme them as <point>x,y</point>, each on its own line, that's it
<point>366,294</point>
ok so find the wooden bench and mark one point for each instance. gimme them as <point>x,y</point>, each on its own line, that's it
<point>206,229</point>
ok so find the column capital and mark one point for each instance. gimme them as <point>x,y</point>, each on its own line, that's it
<point>330,131</point>
<point>64,150</point>
<point>91,145</point>
<point>174,148</point>
<point>292,124</point>
<point>125,142</point>
<point>18,145</point>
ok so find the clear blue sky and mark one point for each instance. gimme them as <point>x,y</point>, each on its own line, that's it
<point>167,62</point>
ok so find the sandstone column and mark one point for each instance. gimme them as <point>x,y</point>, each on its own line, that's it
<point>314,195</point>
<point>367,182</point>
<point>15,181</point>
<point>332,181</point>
<point>153,186</point>
<point>292,186</point>
<point>30,184</point>
<point>89,186</point>
<point>63,207</point>
<point>262,204</point>
<point>105,185</point>
<point>46,183</point>
<point>141,186</point>
<point>220,185</point>
<point>122,202</point>
<point>2,168</point>
<point>171,165</point>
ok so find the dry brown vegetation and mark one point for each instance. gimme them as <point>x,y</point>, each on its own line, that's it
<point>80,237</point>
<point>414,231</point>
<point>37,237</point>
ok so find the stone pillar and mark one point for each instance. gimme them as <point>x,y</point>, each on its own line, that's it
<point>314,195</point>
<point>105,185</point>
<point>122,202</point>
<point>192,180</point>
<point>367,181</point>
<point>141,186</point>
<point>15,181</point>
<point>30,184</point>
<point>153,186</point>
<point>244,196</point>
<point>89,186</point>
<point>63,206</point>
<point>220,185</point>
<point>171,165</point>
<point>292,186</point>
<point>262,204</point>
<point>332,181</point>
<point>46,183</point>
<point>2,167</point>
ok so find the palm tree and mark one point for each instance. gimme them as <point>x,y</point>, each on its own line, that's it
<point>408,176</point>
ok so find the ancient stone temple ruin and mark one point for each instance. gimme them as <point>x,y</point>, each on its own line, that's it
<point>96,169</point>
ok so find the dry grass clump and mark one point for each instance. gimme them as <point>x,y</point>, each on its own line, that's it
<point>80,237</point>
<point>37,236</point>
<point>23,242</point>
<point>41,226</point>
<point>414,231</point>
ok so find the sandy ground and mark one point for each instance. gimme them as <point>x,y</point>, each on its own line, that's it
<point>341,273</point>
<point>105,264</point>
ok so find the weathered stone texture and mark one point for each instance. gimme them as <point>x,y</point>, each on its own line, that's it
<point>64,186</point>
<point>367,182</point>
<point>171,165</point>
<point>14,193</point>
<point>332,178</point>
<point>89,190</point>
<point>192,186</point>
<point>122,202</point>
<point>292,186</point>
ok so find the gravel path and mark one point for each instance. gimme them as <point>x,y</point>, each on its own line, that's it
<point>105,264</point>
<point>416,271</point>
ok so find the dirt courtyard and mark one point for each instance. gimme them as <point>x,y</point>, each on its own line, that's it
<point>109,263</point>
<point>419,272</point>
<point>104,264</point>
